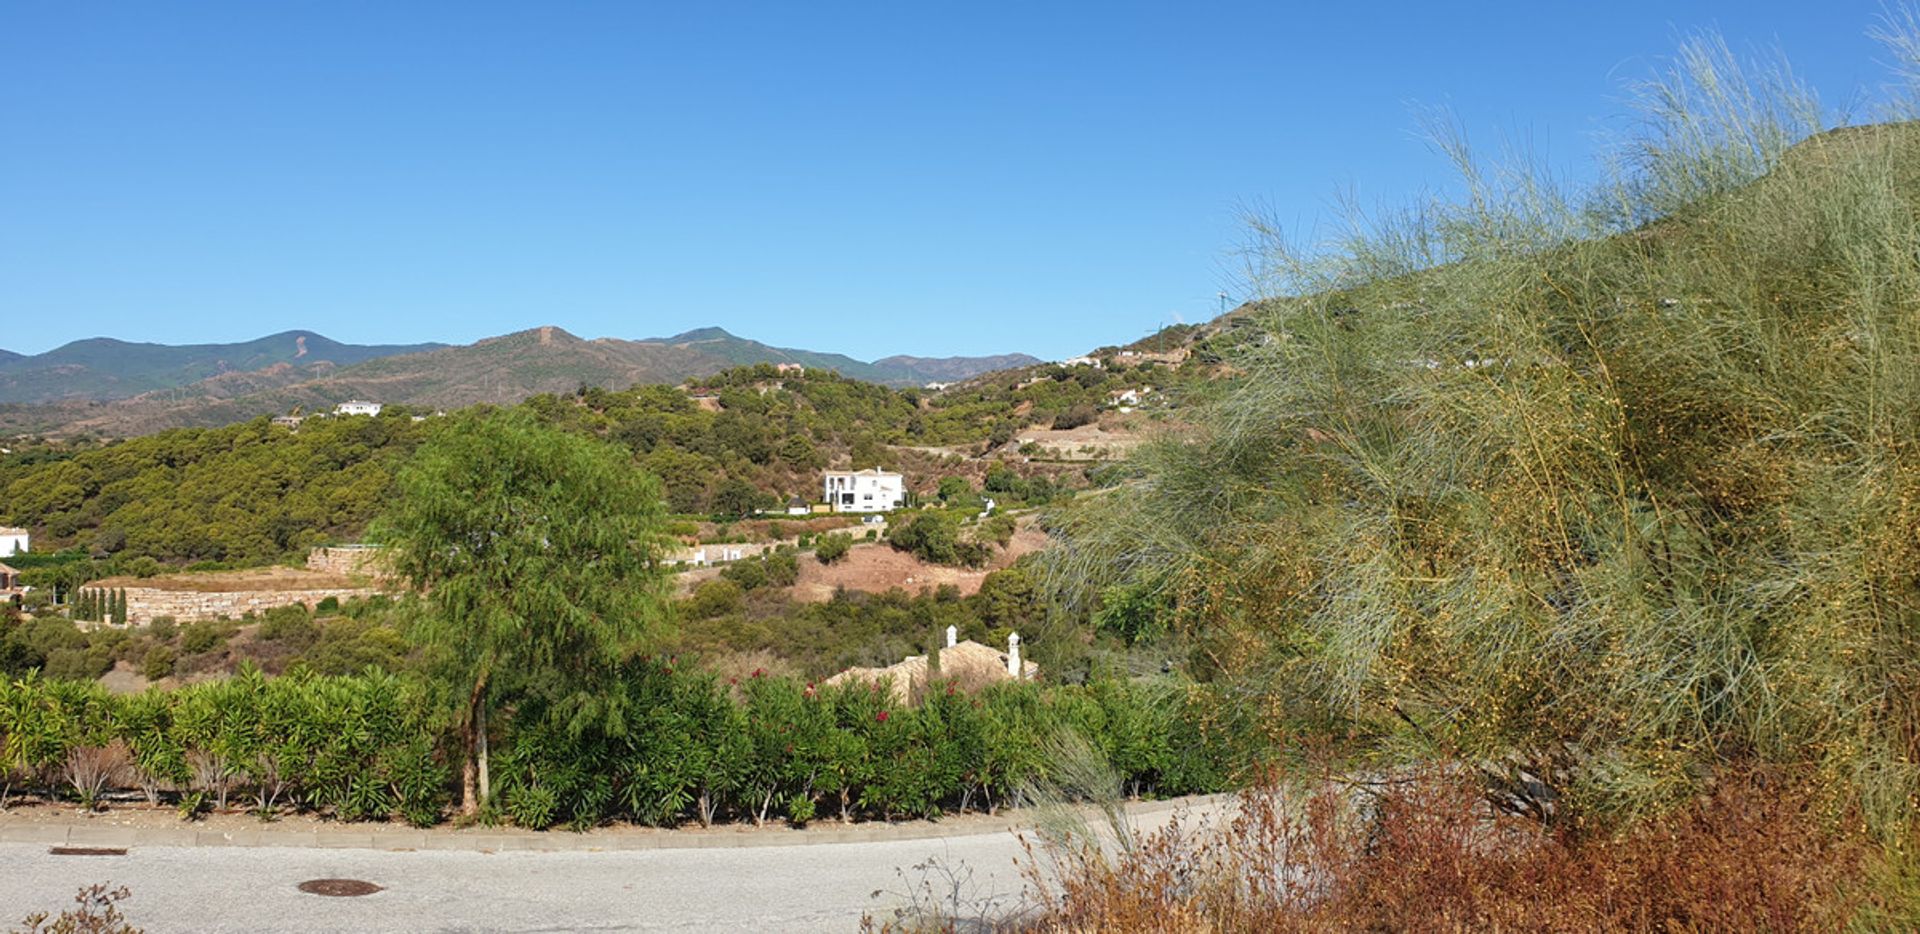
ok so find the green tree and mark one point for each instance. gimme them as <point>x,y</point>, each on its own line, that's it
<point>539,556</point>
<point>833,547</point>
<point>737,497</point>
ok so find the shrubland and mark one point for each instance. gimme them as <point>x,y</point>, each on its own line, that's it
<point>1596,506</point>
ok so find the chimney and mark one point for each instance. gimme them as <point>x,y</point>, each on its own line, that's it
<point>953,637</point>
<point>1013,655</point>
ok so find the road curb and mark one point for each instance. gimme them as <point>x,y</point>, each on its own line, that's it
<point>501,840</point>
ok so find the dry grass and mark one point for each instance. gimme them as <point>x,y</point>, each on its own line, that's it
<point>1425,855</point>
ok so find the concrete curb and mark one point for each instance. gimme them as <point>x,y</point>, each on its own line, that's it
<point>499,839</point>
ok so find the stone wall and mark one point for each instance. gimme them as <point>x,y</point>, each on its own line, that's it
<point>144,604</point>
<point>346,560</point>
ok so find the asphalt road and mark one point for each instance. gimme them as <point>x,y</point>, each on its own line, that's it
<point>824,887</point>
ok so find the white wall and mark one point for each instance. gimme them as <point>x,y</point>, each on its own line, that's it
<point>870,493</point>
<point>13,543</point>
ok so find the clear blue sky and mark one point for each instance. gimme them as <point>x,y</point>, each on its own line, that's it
<point>868,178</point>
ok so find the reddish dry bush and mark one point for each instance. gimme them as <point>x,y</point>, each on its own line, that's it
<point>1428,855</point>
<point>91,770</point>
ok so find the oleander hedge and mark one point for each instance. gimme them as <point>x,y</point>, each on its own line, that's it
<point>661,746</point>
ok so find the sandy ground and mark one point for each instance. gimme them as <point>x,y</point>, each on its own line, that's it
<point>1108,439</point>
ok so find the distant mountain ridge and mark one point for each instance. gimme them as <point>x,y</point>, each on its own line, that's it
<point>102,369</point>
<point>501,370</point>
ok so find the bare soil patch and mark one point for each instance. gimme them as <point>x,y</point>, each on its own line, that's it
<point>876,568</point>
<point>1111,438</point>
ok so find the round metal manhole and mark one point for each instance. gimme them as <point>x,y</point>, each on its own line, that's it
<point>339,888</point>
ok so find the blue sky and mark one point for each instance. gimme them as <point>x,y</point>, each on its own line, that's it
<point>867,178</point>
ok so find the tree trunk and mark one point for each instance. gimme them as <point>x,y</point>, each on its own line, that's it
<point>486,784</point>
<point>469,799</point>
<point>473,770</point>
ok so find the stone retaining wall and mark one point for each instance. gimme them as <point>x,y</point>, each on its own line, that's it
<point>145,604</point>
<point>346,560</point>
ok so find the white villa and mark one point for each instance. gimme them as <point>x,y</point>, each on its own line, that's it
<point>357,407</point>
<point>14,542</point>
<point>864,490</point>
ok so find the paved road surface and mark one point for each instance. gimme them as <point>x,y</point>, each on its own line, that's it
<point>785,888</point>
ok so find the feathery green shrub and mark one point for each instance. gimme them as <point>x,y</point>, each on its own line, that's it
<point>1594,490</point>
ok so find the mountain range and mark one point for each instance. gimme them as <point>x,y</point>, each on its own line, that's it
<point>102,368</point>
<point>116,388</point>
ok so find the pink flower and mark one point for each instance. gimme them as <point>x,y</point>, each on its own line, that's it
<point>881,716</point>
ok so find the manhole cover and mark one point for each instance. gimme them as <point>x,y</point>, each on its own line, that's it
<point>87,851</point>
<point>338,888</point>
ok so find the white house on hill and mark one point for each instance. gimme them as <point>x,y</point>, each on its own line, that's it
<point>14,542</point>
<point>865,490</point>
<point>357,407</point>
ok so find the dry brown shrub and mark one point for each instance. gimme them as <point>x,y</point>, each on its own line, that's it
<point>93,770</point>
<point>1426,854</point>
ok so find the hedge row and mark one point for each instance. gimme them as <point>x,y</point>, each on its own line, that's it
<point>662,747</point>
<point>354,747</point>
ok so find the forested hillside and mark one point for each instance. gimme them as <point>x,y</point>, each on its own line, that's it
<point>745,439</point>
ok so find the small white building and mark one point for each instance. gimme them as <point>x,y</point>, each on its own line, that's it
<point>357,407</point>
<point>864,490</point>
<point>1094,362</point>
<point>14,542</point>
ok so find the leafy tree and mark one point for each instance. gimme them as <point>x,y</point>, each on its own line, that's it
<point>539,557</point>
<point>737,497</point>
<point>833,547</point>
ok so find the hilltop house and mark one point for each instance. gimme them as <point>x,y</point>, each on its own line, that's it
<point>868,490</point>
<point>15,542</point>
<point>357,407</point>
